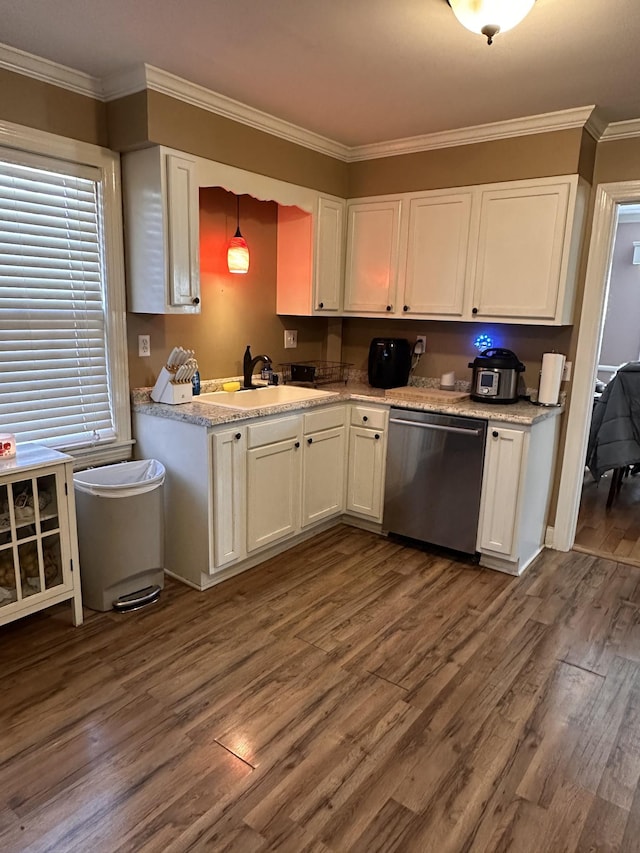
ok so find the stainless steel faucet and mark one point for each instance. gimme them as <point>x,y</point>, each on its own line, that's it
<point>249,364</point>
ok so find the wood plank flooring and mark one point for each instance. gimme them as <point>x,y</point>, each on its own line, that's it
<point>613,533</point>
<point>351,695</point>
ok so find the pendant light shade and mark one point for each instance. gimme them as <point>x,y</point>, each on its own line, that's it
<point>238,251</point>
<point>488,17</point>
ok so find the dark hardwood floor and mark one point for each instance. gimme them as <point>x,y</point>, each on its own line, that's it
<point>613,533</point>
<point>350,695</point>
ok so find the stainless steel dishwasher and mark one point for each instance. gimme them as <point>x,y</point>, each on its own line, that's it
<point>434,477</point>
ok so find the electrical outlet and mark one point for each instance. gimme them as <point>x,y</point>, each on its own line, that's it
<point>290,339</point>
<point>421,344</point>
<point>144,345</point>
<point>566,373</point>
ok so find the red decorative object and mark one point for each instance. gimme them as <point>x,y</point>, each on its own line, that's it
<point>238,251</point>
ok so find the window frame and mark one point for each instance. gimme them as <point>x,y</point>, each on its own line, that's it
<point>30,141</point>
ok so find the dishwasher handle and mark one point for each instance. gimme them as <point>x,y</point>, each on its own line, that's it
<point>439,427</point>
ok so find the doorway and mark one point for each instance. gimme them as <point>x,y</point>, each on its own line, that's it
<point>609,198</point>
<point>608,523</point>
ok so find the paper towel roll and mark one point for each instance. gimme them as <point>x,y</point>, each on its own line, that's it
<point>550,378</point>
<point>448,381</point>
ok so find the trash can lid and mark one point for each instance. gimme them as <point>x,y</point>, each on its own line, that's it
<point>121,480</point>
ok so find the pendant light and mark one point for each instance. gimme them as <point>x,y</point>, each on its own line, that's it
<point>488,17</point>
<point>238,251</point>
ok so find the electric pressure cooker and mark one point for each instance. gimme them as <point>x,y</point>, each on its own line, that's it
<point>495,376</point>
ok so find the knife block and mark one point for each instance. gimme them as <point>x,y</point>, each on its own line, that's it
<point>167,390</point>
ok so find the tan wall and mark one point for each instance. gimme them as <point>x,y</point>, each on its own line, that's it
<point>617,160</point>
<point>587,159</point>
<point>539,155</point>
<point>236,309</point>
<point>128,122</point>
<point>188,128</point>
<point>241,311</point>
<point>450,344</point>
<point>33,103</point>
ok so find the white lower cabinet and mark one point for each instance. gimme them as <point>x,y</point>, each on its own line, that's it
<point>237,494</point>
<point>516,489</point>
<point>366,462</point>
<point>229,453</point>
<point>274,465</point>
<point>234,491</point>
<point>323,465</point>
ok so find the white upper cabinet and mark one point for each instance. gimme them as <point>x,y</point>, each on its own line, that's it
<point>328,278</point>
<point>436,263</point>
<point>505,252</point>
<point>310,267</point>
<point>373,233</point>
<point>161,231</point>
<point>527,251</point>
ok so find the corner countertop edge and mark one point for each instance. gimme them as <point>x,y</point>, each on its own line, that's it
<point>206,415</point>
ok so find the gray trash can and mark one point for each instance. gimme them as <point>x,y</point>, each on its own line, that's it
<point>121,534</point>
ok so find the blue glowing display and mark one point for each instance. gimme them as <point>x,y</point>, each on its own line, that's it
<point>483,342</point>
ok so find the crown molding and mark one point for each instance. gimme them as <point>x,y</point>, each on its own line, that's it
<point>128,81</point>
<point>198,96</point>
<point>596,125</point>
<point>622,130</point>
<point>144,76</point>
<point>21,62</point>
<point>543,123</point>
<point>176,87</point>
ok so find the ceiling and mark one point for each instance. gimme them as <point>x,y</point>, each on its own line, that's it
<point>354,71</point>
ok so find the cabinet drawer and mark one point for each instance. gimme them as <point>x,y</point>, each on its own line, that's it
<point>324,419</point>
<point>281,429</point>
<point>369,417</point>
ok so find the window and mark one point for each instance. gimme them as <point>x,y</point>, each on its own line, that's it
<point>63,376</point>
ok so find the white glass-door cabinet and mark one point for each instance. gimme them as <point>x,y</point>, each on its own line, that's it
<point>38,542</point>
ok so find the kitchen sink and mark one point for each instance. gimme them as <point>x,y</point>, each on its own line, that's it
<point>258,398</point>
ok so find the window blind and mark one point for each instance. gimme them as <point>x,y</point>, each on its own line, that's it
<point>54,383</point>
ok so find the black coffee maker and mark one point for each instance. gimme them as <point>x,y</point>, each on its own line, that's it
<point>389,362</point>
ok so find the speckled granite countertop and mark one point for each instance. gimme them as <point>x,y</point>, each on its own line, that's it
<point>208,415</point>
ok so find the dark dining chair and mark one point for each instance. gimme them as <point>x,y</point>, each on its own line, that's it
<point>614,437</point>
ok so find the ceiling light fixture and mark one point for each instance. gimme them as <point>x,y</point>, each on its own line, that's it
<point>489,17</point>
<point>238,251</point>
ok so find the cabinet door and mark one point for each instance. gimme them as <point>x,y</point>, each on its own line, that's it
<point>500,491</point>
<point>436,259</point>
<point>329,255</point>
<point>182,232</point>
<point>35,562</point>
<point>372,256</point>
<point>273,493</point>
<point>323,475</point>
<point>366,469</point>
<point>160,199</point>
<point>229,472</point>
<point>520,251</point>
